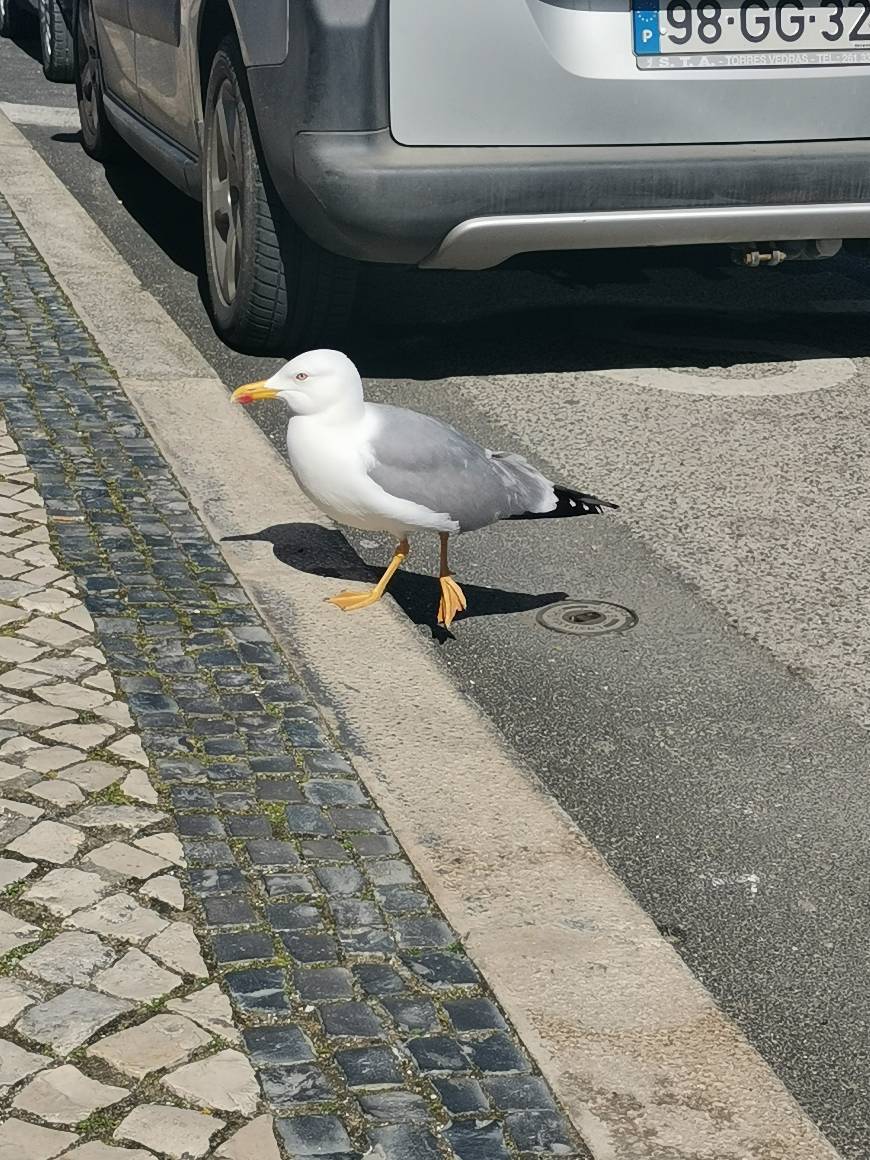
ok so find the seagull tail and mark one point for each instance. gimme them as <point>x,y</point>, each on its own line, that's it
<point>570,503</point>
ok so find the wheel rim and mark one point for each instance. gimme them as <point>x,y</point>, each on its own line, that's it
<point>224,191</point>
<point>45,30</point>
<point>89,70</point>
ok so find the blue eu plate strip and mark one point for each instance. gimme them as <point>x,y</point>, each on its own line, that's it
<point>646,27</point>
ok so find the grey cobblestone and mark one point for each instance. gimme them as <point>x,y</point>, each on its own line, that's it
<point>351,989</point>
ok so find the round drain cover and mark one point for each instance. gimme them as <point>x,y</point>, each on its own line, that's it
<point>586,617</point>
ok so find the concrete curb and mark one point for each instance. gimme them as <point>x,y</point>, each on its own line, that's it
<point>644,1062</point>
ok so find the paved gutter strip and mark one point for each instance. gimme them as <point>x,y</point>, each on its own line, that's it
<point>370,1030</point>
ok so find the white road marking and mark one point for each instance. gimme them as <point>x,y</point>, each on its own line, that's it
<point>47,116</point>
<point>800,370</point>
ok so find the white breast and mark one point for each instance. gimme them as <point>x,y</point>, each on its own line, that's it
<point>330,462</point>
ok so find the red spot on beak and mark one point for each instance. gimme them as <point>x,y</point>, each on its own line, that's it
<point>245,399</point>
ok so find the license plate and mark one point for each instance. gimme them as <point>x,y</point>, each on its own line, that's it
<point>751,34</point>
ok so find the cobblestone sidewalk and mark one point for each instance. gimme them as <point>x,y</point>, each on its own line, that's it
<point>210,943</point>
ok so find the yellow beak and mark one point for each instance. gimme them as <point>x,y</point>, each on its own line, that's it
<point>252,392</point>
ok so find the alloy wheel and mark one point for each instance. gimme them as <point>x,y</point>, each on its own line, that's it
<point>224,191</point>
<point>45,29</point>
<point>89,69</point>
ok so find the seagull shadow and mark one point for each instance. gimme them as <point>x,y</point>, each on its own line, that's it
<point>325,552</point>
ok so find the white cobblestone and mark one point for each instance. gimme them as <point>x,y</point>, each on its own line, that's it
<point>81,736</point>
<point>52,759</point>
<point>16,995</point>
<point>70,1018</point>
<point>125,861</point>
<point>129,748</point>
<point>164,846</point>
<point>93,775</point>
<point>165,889</point>
<point>15,932</point>
<point>132,818</point>
<point>70,696</point>
<point>256,1141</point>
<point>136,976</point>
<point>12,870</point>
<point>224,1082</point>
<point>178,948</point>
<point>71,957</point>
<point>177,1132</point>
<point>22,1141</point>
<point>210,1008</point>
<point>49,842</point>
<point>62,892</point>
<point>65,1096</point>
<point>137,786</point>
<point>120,916</point>
<point>44,630</point>
<point>58,792</point>
<point>30,715</point>
<point>16,1063</point>
<point>161,1042</point>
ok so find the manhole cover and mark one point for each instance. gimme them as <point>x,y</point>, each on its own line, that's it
<point>586,617</point>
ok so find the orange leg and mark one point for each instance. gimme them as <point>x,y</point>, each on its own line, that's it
<point>452,597</point>
<point>350,601</point>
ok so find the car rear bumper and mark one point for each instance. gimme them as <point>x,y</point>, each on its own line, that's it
<point>367,197</point>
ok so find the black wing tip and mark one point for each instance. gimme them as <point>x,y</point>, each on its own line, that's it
<point>571,503</point>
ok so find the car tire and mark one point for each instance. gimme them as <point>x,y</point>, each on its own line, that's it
<point>8,17</point>
<point>56,41</point>
<point>271,289</point>
<point>98,137</point>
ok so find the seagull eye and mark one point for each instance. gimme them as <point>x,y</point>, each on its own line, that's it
<point>301,377</point>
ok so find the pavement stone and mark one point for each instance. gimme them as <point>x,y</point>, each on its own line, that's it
<point>119,916</point>
<point>176,1132</point>
<point>58,792</point>
<point>15,932</point>
<point>97,1151</point>
<point>224,1082</point>
<point>256,1141</point>
<point>166,889</point>
<point>20,1140</point>
<point>178,948</point>
<point>125,861</point>
<point>88,775</point>
<point>209,1009</point>
<point>137,977</point>
<point>64,1095</point>
<point>69,1019</point>
<point>134,672</point>
<point>49,842</point>
<point>71,957</point>
<point>16,1063</point>
<point>16,995</point>
<point>161,1042</point>
<point>62,892</point>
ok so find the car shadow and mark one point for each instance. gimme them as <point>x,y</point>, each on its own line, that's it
<point>171,218</point>
<point>538,314</point>
<point>27,35</point>
<point>325,552</point>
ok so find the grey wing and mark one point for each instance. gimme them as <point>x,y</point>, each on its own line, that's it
<point>421,459</point>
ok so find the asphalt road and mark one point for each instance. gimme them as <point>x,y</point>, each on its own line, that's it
<point>717,754</point>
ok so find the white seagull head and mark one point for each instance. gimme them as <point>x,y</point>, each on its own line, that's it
<point>315,382</point>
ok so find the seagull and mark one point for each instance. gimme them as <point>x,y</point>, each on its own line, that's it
<point>387,469</point>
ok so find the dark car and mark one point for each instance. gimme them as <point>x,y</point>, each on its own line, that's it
<point>55,32</point>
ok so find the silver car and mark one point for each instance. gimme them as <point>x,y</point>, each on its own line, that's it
<point>55,32</point>
<point>454,134</point>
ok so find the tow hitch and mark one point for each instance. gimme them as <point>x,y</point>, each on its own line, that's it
<point>757,254</point>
